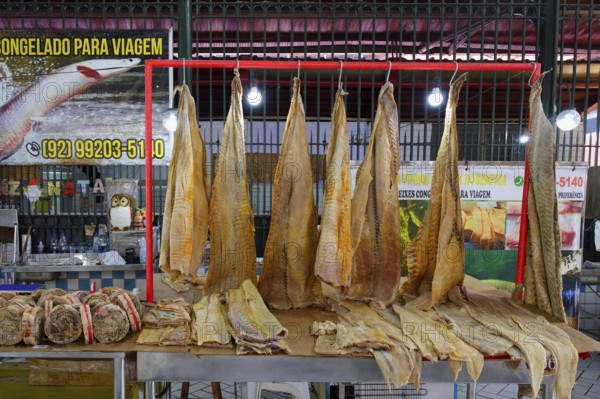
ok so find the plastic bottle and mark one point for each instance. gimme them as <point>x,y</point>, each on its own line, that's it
<point>63,245</point>
<point>40,247</point>
<point>53,243</point>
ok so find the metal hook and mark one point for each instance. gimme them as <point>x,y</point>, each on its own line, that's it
<point>237,67</point>
<point>455,72</point>
<point>340,79</point>
<point>532,73</point>
<point>184,71</point>
<point>298,69</point>
<point>573,165</point>
<point>387,77</point>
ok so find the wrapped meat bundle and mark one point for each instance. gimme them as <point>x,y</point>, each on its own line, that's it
<point>63,325</point>
<point>86,321</point>
<point>32,325</point>
<point>22,301</point>
<point>41,297</point>
<point>2,302</point>
<point>7,295</point>
<point>68,299</point>
<point>96,299</point>
<point>132,314</point>
<point>109,323</point>
<point>10,324</point>
<point>114,298</point>
<point>110,290</point>
<point>48,305</point>
<point>81,295</point>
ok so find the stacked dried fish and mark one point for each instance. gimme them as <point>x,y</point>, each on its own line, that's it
<point>288,278</point>
<point>63,324</point>
<point>231,221</point>
<point>334,256</point>
<point>110,323</point>
<point>166,323</point>
<point>435,258</point>
<point>185,220</point>
<point>256,329</point>
<point>210,325</point>
<point>33,325</point>
<point>376,211</point>
<point>543,281</point>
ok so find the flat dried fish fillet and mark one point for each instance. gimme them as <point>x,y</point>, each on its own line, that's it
<point>11,318</point>
<point>63,324</point>
<point>435,258</point>
<point>357,311</point>
<point>250,317</point>
<point>396,366</point>
<point>473,332</point>
<point>487,314</point>
<point>444,341</point>
<point>232,247</point>
<point>376,211</point>
<point>288,278</point>
<point>167,313</point>
<point>360,335</point>
<point>179,335</point>
<point>33,325</point>
<point>152,336</point>
<point>110,324</point>
<point>543,261</point>
<point>325,345</point>
<point>334,257</point>
<point>185,218</point>
<point>210,323</point>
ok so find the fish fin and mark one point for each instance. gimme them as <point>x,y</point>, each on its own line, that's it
<point>89,72</point>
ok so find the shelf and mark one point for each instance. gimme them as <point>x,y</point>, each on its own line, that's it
<point>70,268</point>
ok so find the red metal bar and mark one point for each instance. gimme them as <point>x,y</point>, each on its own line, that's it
<point>520,276</point>
<point>149,214</point>
<point>349,65</point>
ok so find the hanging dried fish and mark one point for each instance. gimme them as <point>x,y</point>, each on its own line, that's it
<point>288,278</point>
<point>435,258</point>
<point>334,257</point>
<point>376,211</point>
<point>232,247</point>
<point>185,219</point>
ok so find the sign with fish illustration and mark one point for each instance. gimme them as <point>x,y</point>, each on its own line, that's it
<point>77,97</point>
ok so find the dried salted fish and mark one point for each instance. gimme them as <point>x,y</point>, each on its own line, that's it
<point>543,281</point>
<point>256,328</point>
<point>133,316</point>
<point>231,221</point>
<point>288,278</point>
<point>167,313</point>
<point>210,324</point>
<point>320,328</point>
<point>435,258</point>
<point>334,257</point>
<point>185,219</point>
<point>11,317</point>
<point>110,324</point>
<point>376,211</point>
<point>63,324</point>
<point>86,321</point>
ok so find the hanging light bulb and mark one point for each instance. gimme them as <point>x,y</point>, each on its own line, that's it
<point>254,96</point>
<point>568,119</point>
<point>524,139</point>
<point>435,98</point>
<point>169,120</point>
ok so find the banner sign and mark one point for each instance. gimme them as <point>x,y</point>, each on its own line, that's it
<point>77,97</point>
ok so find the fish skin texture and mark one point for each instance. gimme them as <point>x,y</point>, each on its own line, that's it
<point>185,219</point>
<point>231,221</point>
<point>543,236</point>
<point>210,321</point>
<point>288,278</point>
<point>376,211</point>
<point>435,258</point>
<point>333,264</point>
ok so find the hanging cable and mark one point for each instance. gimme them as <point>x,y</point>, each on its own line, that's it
<point>340,78</point>
<point>387,76</point>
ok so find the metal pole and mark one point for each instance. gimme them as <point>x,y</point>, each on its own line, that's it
<point>547,392</point>
<point>548,50</point>
<point>148,160</point>
<point>119,377</point>
<point>150,390</point>
<point>471,394</point>
<point>184,43</point>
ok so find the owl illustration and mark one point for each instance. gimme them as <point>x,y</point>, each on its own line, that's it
<point>120,212</point>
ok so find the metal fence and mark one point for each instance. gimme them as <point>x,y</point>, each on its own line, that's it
<point>491,117</point>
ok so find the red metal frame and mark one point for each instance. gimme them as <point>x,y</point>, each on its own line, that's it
<point>330,65</point>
